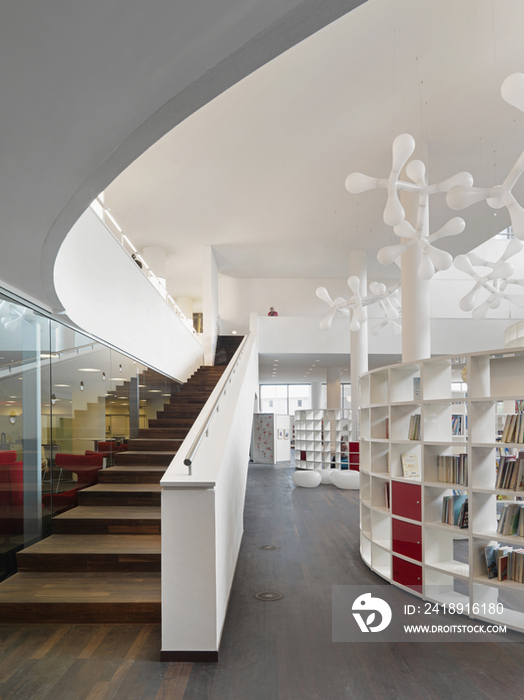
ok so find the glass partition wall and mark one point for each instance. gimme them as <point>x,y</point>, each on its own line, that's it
<point>60,393</point>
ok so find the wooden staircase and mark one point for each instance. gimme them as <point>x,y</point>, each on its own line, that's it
<point>102,562</point>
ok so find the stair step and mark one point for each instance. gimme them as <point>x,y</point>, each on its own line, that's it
<point>76,553</point>
<point>163,445</point>
<point>163,433</point>
<point>120,495</point>
<point>145,458</point>
<point>132,474</point>
<point>29,597</point>
<point>113,520</point>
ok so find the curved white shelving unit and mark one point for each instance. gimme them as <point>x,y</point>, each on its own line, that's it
<point>406,543</point>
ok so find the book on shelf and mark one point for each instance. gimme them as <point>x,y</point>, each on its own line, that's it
<point>416,389</point>
<point>513,431</point>
<point>387,497</point>
<point>504,563</point>
<point>490,554</point>
<point>457,424</point>
<point>511,520</point>
<point>414,427</point>
<point>455,510</point>
<point>410,466</point>
<point>510,473</point>
<point>502,567</point>
<point>453,469</point>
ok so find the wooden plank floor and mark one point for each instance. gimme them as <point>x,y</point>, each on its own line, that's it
<point>270,651</point>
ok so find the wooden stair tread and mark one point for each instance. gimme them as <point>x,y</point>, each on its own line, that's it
<point>96,544</point>
<point>85,587</point>
<point>123,488</point>
<point>110,513</point>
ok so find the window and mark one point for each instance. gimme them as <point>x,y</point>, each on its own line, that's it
<point>284,399</point>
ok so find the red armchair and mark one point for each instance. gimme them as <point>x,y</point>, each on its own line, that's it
<point>86,467</point>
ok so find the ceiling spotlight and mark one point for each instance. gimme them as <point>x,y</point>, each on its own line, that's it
<point>81,386</point>
<point>53,399</point>
<point>119,368</point>
<point>234,332</point>
<point>103,376</point>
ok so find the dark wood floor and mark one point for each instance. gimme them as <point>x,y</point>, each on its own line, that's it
<point>270,651</point>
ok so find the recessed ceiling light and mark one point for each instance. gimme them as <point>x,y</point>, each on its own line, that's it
<point>234,332</point>
<point>88,369</point>
<point>61,384</point>
<point>155,391</point>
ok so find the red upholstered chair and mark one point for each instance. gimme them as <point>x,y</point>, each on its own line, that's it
<point>86,467</point>
<point>61,501</point>
<point>7,456</point>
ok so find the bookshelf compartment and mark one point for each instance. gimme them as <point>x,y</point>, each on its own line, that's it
<point>438,422</point>
<point>484,466</point>
<point>483,513</point>
<point>445,589</point>
<point>405,383</point>
<point>379,422</point>
<point>446,551</point>
<point>436,380</point>
<point>406,500</point>
<point>407,574</point>
<point>396,452</point>
<point>381,529</point>
<point>507,375</point>
<point>401,421</point>
<point>379,497</point>
<point>365,520</point>
<point>407,539</point>
<point>482,422</point>
<point>381,561</point>
<point>378,387</point>
<point>433,505</point>
<point>379,458</point>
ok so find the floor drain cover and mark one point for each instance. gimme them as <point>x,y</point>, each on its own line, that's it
<point>268,546</point>
<point>269,595</point>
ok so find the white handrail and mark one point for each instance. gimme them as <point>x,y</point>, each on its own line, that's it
<point>188,461</point>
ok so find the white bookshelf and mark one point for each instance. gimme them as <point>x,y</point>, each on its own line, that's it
<point>320,436</point>
<point>407,544</point>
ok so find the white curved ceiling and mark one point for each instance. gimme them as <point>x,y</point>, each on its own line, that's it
<point>258,173</point>
<point>86,87</point>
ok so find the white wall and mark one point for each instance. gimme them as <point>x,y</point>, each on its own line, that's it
<point>202,517</point>
<point>106,294</point>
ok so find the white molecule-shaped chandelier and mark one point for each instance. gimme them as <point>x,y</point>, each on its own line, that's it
<point>387,299</point>
<point>460,194</point>
<point>394,215</point>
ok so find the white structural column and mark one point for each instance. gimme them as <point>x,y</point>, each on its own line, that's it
<point>358,339</point>
<point>333,387</point>
<point>209,303</point>
<point>416,334</point>
<point>316,395</point>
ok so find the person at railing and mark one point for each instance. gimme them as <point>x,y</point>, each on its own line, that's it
<point>138,262</point>
<point>272,312</point>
